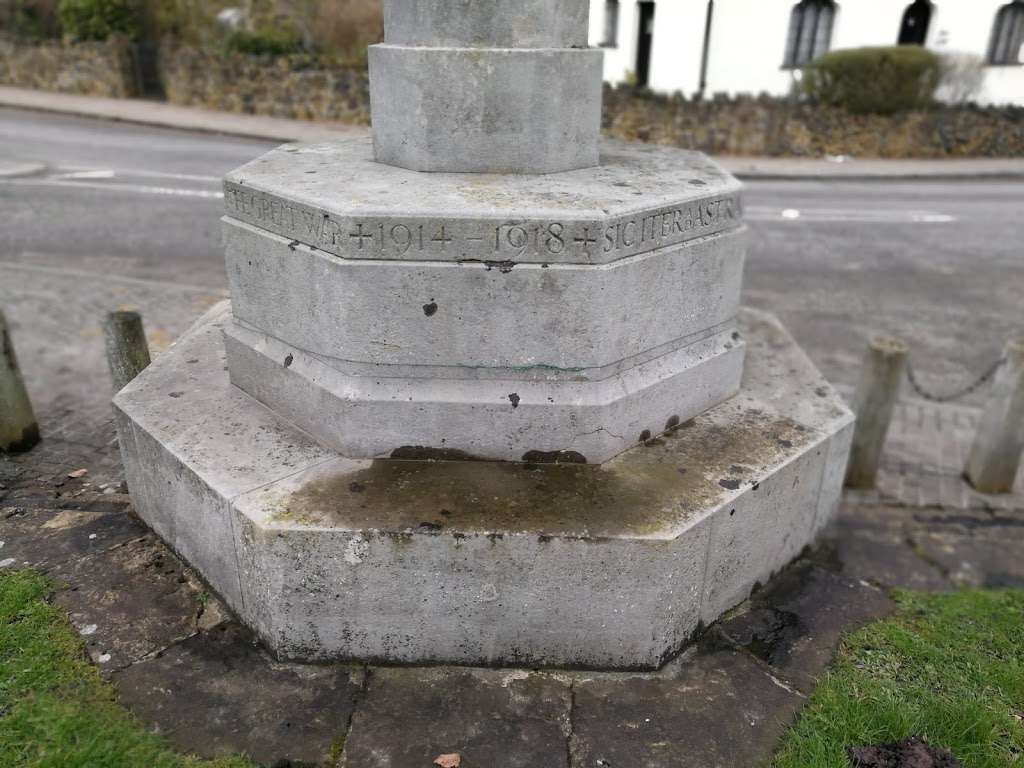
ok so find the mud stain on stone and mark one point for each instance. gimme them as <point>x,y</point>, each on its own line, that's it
<point>640,492</point>
<point>425,453</point>
<point>554,457</point>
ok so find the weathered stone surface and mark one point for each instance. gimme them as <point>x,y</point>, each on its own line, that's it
<point>484,320</point>
<point>479,561</point>
<point>219,694</point>
<point>498,316</point>
<point>723,710</point>
<point>509,418</point>
<point>490,718</point>
<point>334,197</point>
<point>487,23</point>
<point>485,110</point>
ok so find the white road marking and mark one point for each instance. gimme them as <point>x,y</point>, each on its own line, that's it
<point>140,189</point>
<point>165,175</point>
<point>110,278</point>
<point>82,172</point>
<point>864,215</point>
<point>97,174</point>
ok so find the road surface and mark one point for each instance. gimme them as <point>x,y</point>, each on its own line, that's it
<point>939,264</point>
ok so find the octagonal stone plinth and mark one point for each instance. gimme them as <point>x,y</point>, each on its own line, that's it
<point>494,317</point>
<point>483,562</point>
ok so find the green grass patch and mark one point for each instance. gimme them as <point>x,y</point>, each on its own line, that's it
<point>55,709</point>
<point>946,667</point>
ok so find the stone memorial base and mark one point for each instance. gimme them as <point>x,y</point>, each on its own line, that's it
<point>506,317</point>
<point>610,566</point>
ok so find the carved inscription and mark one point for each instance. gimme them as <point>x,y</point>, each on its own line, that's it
<point>516,241</point>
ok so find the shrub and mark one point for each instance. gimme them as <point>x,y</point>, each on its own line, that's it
<point>874,80</point>
<point>99,19</point>
<point>186,21</point>
<point>271,42</point>
<point>31,19</point>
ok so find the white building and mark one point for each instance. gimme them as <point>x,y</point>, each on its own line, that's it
<point>754,46</point>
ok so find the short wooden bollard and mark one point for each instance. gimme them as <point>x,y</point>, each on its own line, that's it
<point>994,458</point>
<point>879,387</point>
<point>127,350</point>
<point>19,429</point>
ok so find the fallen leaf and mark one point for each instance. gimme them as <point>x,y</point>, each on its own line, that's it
<point>78,473</point>
<point>454,760</point>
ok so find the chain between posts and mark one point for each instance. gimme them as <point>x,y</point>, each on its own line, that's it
<point>956,395</point>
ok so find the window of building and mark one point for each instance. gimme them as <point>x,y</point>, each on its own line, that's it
<point>1007,44</point>
<point>611,24</point>
<point>914,27</point>
<point>810,32</point>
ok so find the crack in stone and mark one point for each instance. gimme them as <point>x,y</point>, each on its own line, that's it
<point>919,551</point>
<point>357,700</point>
<point>595,431</point>
<point>572,757</point>
<point>731,643</point>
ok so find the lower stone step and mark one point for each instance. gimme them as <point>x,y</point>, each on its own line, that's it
<point>610,566</point>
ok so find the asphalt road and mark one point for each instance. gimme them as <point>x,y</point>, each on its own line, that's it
<point>939,264</point>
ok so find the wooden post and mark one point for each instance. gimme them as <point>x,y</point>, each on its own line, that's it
<point>127,350</point>
<point>995,454</point>
<point>19,430</point>
<point>879,387</point>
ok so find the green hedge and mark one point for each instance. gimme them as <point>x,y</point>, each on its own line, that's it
<point>272,42</point>
<point>100,19</point>
<point>874,80</point>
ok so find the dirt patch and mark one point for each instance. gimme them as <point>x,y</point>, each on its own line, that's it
<point>909,753</point>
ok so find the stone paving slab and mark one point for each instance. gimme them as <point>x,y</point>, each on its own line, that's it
<point>219,693</point>
<point>47,537</point>
<point>723,710</point>
<point>796,623</point>
<point>507,718</point>
<point>129,602</point>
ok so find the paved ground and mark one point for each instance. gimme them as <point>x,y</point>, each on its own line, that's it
<point>135,224</point>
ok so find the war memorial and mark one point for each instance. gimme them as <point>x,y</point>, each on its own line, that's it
<point>484,392</point>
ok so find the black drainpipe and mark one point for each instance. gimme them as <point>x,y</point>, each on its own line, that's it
<point>705,51</point>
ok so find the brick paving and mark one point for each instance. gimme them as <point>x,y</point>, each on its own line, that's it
<point>924,458</point>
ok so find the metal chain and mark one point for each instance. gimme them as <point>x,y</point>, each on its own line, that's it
<point>916,385</point>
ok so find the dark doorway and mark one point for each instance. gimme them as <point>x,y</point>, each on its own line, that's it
<point>146,58</point>
<point>645,36</point>
<point>914,29</point>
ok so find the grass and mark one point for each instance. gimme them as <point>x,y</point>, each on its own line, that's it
<point>55,709</point>
<point>947,667</point>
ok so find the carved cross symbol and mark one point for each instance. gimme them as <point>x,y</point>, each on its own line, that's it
<point>587,240</point>
<point>359,234</point>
